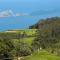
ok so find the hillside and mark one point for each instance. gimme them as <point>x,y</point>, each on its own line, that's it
<point>42,55</point>
<point>46,22</point>
<point>41,42</point>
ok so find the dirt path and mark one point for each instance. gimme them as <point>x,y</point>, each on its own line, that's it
<point>19,58</point>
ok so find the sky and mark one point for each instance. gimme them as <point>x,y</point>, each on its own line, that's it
<point>15,14</point>
<point>25,5</point>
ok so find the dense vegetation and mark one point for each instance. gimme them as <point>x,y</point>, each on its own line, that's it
<point>16,43</point>
<point>41,38</point>
<point>47,38</point>
<point>42,55</point>
<point>48,35</point>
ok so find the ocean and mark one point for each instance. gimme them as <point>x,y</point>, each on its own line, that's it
<point>36,10</point>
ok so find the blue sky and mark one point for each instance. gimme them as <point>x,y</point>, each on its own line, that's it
<point>21,5</point>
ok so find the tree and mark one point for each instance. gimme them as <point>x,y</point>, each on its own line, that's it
<point>5,48</point>
<point>48,33</point>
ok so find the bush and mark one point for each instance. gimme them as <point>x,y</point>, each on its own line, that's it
<point>24,50</point>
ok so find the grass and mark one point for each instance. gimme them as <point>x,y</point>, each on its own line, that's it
<point>27,31</point>
<point>29,40</point>
<point>25,40</point>
<point>42,55</point>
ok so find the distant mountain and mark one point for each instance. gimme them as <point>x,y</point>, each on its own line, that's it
<point>45,11</point>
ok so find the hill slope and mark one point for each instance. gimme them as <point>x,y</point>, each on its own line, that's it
<point>46,22</point>
<point>42,55</point>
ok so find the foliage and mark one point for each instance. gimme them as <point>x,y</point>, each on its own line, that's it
<point>42,55</point>
<point>48,34</point>
<point>24,50</point>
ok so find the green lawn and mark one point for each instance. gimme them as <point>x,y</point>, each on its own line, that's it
<point>28,40</point>
<point>27,31</point>
<point>42,55</point>
<point>25,40</point>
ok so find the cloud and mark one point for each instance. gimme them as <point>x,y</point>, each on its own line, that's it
<point>10,13</point>
<point>21,14</point>
<point>6,13</point>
